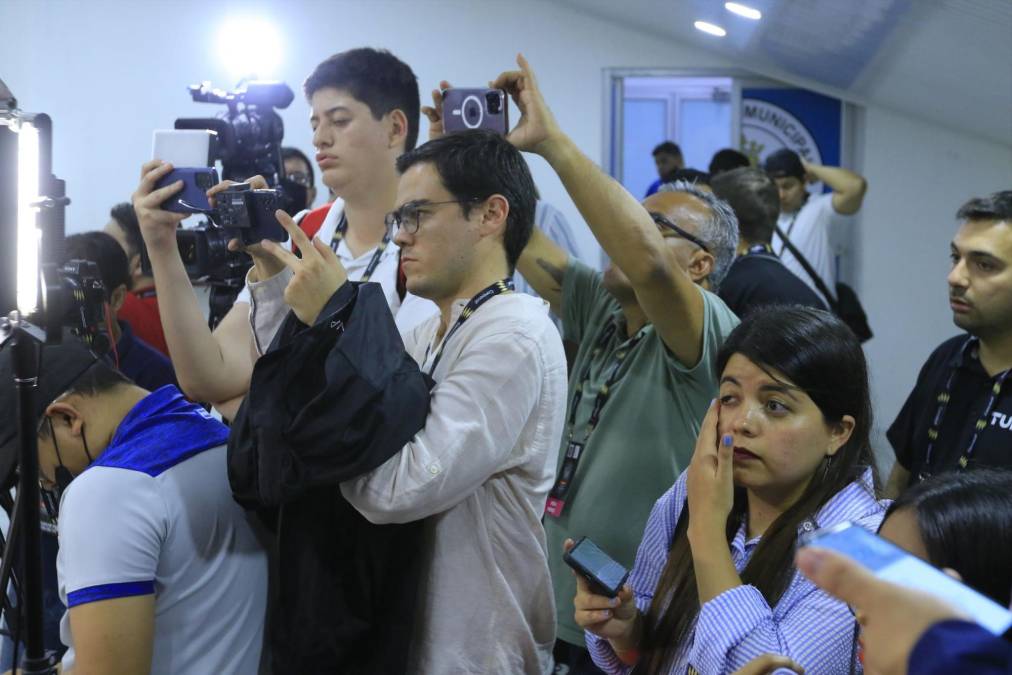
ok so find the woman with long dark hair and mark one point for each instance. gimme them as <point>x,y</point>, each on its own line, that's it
<point>783,450</point>
<point>960,521</point>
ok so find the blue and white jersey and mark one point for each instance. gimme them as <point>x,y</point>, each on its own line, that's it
<point>154,514</point>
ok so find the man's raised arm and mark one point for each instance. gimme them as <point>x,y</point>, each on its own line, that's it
<point>625,230</point>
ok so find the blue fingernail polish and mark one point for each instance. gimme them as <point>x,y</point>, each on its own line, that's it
<point>728,440</point>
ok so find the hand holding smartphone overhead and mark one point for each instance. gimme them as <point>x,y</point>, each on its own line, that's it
<point>891,563</point>
<point>605,575</point>
<point>191,153</point>
<point>465,109</point>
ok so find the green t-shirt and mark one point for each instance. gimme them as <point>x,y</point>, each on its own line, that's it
<point>645,436</point>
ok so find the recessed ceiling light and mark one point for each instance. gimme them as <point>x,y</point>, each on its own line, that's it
<point>710,28</point>
<point>743,10</point>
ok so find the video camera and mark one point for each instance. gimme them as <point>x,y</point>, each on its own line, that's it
<point>249,134</point>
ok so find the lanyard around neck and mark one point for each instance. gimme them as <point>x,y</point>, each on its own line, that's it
<point>342,229</point>
<point>498,288</point>
<point>943,399</point>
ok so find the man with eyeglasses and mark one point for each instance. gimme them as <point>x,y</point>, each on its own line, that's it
<point>299,171</point>
<point>648,334</point>
<point>480,470</point>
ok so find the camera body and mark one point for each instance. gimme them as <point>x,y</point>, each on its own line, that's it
<point>74,297</point>
<point>240,213</point>
<point>465,109</point>
<point>193,197</point>
<point>248,215</point>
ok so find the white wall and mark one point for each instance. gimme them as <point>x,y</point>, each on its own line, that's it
<point>110,72</point>
<point>919,174</point>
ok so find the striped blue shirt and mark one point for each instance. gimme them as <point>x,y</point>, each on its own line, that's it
<point>738,625</point>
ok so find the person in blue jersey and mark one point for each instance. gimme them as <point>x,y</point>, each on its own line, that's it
<point>783,450</point>
<point>159,568</point>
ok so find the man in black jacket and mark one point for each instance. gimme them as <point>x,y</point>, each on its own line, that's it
<point>757,277</point>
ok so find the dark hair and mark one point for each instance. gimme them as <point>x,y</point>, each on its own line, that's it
<point>964,520</point>
<point>375,77</point>
<point>474,165</point>
<point>785,163</point>
<point>667,147</point>
<point>97,379</point>
<point>726,160</point>
<point>124,215</point>
<point>997,206</point>
<point>817,353</point>
<point>294,153</point>
<point>101,249</point>
<point>755,200</point>
<point>693,176</point>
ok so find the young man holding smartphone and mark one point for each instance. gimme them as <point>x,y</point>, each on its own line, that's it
<point>365,114</point>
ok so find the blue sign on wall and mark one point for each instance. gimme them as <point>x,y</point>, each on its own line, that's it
<point>801,120</point>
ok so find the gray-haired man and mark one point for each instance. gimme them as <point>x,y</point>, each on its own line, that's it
<point>648,332</point>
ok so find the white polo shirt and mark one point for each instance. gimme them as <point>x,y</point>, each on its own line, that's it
<point>161,521</point>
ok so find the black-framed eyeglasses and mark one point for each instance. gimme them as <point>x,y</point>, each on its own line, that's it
<point>664,222</point>
<point>300,178</point>
<point>407,216</point>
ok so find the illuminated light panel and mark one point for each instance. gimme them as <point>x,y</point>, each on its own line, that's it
<point>28,229</point>
<point>743,10</point>
<point>250,47</point>
<point>710,28</point>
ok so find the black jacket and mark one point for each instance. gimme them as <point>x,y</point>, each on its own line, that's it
<point>328,403</point>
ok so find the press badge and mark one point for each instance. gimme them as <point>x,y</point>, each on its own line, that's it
<point>557,497</point>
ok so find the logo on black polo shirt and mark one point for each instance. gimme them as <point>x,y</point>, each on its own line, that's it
<point>1001,420</point>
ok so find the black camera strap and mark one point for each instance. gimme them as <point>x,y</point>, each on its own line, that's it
<point>574,449</point>
<point>483,296</point>
<point>342,229</point>
<point>943,398</point>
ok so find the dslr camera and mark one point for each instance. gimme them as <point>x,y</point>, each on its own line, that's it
<point>465,109</point>
<point>242,213</point>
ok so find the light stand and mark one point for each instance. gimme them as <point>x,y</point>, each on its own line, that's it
<point>25,340</point>
<point>34,208</point>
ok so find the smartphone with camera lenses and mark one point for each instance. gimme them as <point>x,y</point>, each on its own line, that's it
<point>465,109</point>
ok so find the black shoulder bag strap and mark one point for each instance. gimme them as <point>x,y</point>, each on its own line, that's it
<point>819,283</point>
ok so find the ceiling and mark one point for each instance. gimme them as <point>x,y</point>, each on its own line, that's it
<point>947,61</point>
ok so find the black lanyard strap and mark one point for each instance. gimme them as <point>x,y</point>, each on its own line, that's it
<point>943,399</point>
<point>498,288</point>
<point>335,242</point>
<point>574,450</point>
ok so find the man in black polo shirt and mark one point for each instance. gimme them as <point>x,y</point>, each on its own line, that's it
<point>959,414</point>
<point>757,277</point>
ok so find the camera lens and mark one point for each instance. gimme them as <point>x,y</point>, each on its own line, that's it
<point>472,112</point>
<point>493,100</point>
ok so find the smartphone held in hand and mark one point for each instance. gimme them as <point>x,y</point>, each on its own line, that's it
<point>465,109</point>
<point>606,576</point>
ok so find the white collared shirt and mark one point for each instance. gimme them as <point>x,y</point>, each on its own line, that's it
<point>480,471</point>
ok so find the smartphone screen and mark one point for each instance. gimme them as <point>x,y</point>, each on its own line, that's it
<point>891,563</point>
<point>598,565</point>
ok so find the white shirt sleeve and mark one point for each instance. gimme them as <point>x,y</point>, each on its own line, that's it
<point>477,414</point>
<point>112,526</point>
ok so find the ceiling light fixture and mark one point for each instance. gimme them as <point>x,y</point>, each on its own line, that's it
<point>743,10</point>
<point>710,28</point>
